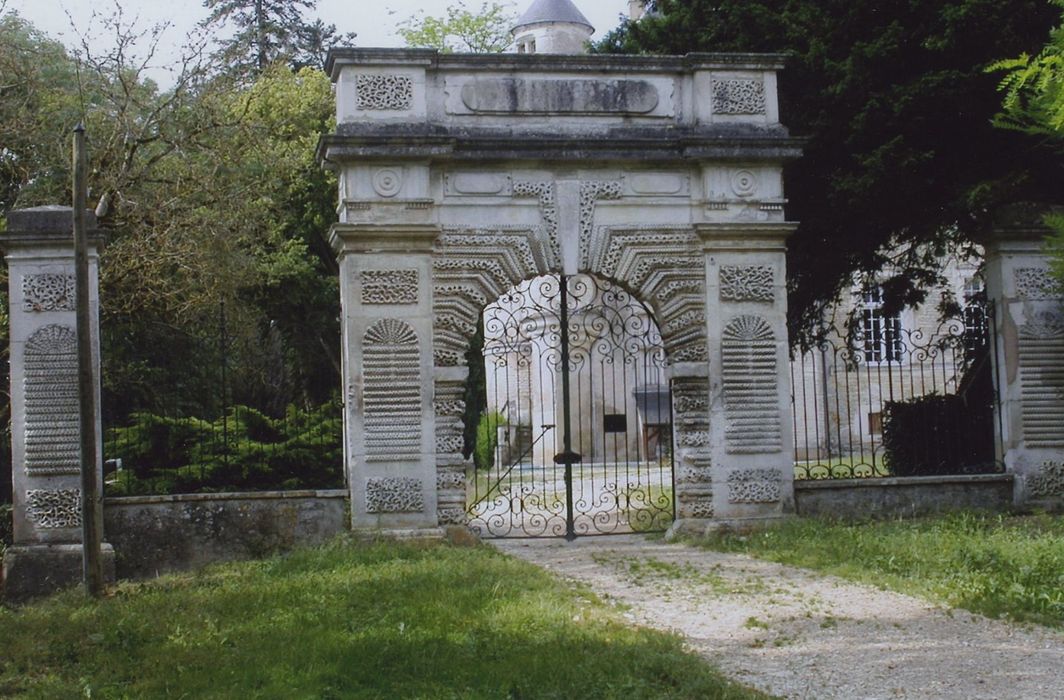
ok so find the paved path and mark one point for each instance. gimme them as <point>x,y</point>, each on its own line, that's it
<point>797,634</point>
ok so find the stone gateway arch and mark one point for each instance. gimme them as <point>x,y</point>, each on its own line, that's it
<point>462,176</point>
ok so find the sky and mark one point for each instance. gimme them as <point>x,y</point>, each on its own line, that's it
<point>373,20</point>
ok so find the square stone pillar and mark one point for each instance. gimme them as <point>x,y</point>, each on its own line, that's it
<point>45,422</point>
<point>751,430</point>
<point>1028,306</point>
<point>389,422</point>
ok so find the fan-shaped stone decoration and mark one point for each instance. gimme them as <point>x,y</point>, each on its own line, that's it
<point>391,396</point>
<point>1041,350</point>
<point>51,388</point>
<point>751,395</point>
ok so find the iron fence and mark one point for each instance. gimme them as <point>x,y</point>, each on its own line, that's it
<point>181,413</point>
<point>887,401</point>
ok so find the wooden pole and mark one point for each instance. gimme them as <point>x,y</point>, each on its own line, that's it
<point>91,513</point>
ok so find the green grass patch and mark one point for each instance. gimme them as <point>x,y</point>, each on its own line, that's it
<point>346,620</point>
<point>996,565</point>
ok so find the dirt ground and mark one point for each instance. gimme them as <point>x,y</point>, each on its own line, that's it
<point>799,634</point>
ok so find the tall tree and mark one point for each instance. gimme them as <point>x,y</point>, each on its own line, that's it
<point>902,162</point>
<point>265,31</point>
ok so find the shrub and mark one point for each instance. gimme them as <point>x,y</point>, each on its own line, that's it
<point>244,450</point>
<point>487,439</point>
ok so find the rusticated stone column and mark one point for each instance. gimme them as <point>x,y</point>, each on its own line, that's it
<point>1029,320</point>
<point>45,447</point>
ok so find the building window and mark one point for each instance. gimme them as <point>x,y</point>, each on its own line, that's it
<point>880,332</point>
<point>875,423</point>
<point>615,423</point>
<point>976,327</point>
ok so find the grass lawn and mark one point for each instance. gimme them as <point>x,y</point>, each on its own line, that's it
<point>379,620</point>
<point>996,565</point>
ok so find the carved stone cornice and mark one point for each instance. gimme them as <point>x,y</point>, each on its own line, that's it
<point>745,237</point>
<point>382,238</point>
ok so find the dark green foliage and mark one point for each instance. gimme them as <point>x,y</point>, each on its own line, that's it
<point>897,106</point>
<point>245,450</point>
<point>266,31</point>
<point>951,434</point>
<point>476,390</point>
<point>487,439</point>
<point>6,526</point>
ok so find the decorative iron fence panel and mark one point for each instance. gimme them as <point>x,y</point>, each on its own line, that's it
<point>576,378</point>
<point>178,417</point>
<point>901,403</point>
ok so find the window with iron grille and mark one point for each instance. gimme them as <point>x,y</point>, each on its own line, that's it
<point>974,315</point>
<point>880,332</point>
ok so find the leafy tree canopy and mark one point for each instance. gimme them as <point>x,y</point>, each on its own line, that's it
<point>903,163</point>
<point>1034,104</point>
<point>486,30</point>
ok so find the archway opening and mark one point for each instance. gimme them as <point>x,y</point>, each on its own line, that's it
<point>576,435</point>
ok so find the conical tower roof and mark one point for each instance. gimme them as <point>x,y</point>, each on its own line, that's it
<point>553,11</point>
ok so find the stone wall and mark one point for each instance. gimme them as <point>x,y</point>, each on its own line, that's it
<point>155,534</point>
<point>860,499</point>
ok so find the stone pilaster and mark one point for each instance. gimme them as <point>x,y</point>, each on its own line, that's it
<point>1028,307</point>
<point>389,418</point>
<point>751,430</point>
<point>45,432</point>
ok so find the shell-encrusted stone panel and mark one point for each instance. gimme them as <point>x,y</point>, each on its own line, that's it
<point>51,390</point>
<point>391,391</point>
<point>1041,350</point>
<point>384,92</point>
<point>394,495</point>
<point>53,509</point>
<point>48,292</point>
<point>389,286</point>
<point>754,486</point>
<point>738,96</point>
<point>746,283</point>
<point>751,394</point>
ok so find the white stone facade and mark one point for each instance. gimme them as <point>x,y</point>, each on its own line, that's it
<point>475,173</point>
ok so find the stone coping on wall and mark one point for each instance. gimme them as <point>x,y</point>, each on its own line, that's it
<point>227,496</point>
<point>432,58</point>
<point>879,482</point>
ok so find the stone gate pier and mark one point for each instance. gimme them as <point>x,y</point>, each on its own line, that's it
<point>1029,319</point>
<point>460,176</point>
<point>45,427</point>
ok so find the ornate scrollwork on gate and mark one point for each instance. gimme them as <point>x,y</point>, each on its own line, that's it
<point>607,359</point>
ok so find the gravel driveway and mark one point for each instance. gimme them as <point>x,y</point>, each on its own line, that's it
<point>798,634</point>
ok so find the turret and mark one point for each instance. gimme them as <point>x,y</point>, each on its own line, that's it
<point>552,26</point>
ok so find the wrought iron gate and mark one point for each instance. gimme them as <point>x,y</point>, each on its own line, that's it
<point>577,437</point>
